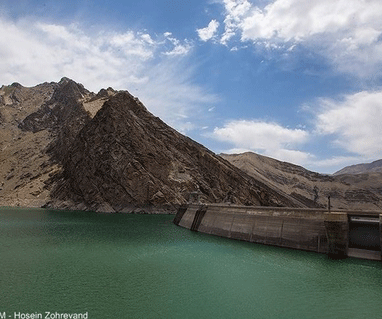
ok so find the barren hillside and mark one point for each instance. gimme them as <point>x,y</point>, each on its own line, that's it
<point>362,191</point>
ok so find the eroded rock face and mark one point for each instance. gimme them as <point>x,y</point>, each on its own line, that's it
<point>25,166</point>
<point>66,147</point>
<point>126,158</point>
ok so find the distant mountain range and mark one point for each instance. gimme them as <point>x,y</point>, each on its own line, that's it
<point>374,167</point>
<point>347,190</point>
<point>65,147</point>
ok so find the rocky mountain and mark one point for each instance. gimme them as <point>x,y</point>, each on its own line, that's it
<point>65,147</point>
<point>374,167</point>
<point>347,191</point>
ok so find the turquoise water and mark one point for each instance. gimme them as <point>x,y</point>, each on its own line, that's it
<point>143,266</point>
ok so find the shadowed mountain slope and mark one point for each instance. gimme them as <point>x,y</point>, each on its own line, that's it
<point>125,157</point>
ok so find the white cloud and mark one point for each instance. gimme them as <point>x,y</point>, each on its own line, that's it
<point>146,37</point>
<point>348,33</point>
<point>32,52</point>
<point>208,32</point>
<point>291,156</point>
<point>355,122</point>
<point>260,135</point>
<point>177,48</point>
<point>337,162</point>
<point>236,10</point>
<point>300,19</point>
<point>351,124</point>
<point>131,45</point>
<point>270,139</point>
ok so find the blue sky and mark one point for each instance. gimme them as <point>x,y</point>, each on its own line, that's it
<point>296,80</point>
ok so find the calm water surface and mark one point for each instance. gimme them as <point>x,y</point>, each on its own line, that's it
<point>142,266</point>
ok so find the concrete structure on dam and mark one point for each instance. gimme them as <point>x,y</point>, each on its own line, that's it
<point>339,234</point>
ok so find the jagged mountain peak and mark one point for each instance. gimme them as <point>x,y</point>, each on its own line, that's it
<point>124,100</point>
<point>69,91</point>
<point>105,93</point>
<point>63,105</point>
<point>65,80</point>
<point>16,85</point>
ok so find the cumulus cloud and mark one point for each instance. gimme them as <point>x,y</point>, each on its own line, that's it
<point>354,122</point>
<point>351,124</point>
<point>348,33</point>
<point>236,11</point>
<point>270,139</point>
<point>208,32</point>
<point>152,67</point>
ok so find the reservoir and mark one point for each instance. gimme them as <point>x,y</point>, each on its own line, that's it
<point>143,266</point>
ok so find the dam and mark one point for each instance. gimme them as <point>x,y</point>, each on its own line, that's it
<point>337,233</point>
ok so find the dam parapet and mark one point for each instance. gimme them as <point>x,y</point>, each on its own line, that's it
<point>339,234</point>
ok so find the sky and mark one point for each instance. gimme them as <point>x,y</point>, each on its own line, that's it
<point>295,80</point>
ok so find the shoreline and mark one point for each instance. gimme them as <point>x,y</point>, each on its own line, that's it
<point>136,210</point>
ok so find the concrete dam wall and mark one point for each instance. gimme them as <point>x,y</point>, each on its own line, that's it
<point>339,234</point>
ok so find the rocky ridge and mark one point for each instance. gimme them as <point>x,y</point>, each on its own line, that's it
<point>346,191</point>
<point>65,147</point>
<point>374,167</point>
